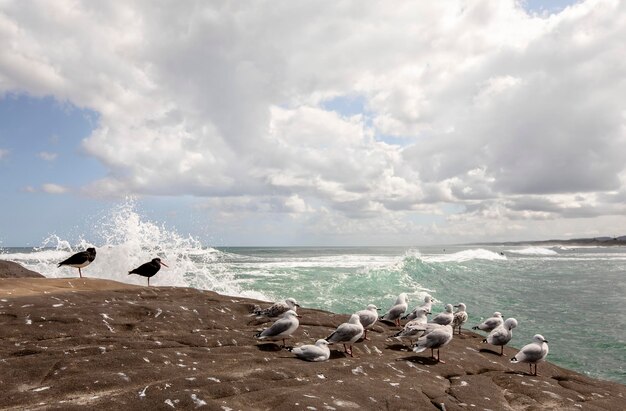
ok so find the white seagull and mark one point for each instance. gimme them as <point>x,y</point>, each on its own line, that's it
<point>278,308</point>
<point>396,310</point>
<point>502,334</point>
<point>428,304</point>
<point>444,318</point>
<point>347,333</point>
<point>490,323</point>
<point>460,316</point>
<point>313,352</point>
<point>281,329</point>
<point>533,353</point>
<point>368,318</point>
<point>437,338</point>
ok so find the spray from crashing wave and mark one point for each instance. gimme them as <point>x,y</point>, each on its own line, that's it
<point>128,240</point>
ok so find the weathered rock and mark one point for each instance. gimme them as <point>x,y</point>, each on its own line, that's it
<point>76,343</point>
<point>9,269</point>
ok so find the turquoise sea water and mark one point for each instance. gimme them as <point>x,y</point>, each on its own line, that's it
<point>573,296</point>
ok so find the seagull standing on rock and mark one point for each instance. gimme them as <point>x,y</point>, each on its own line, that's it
<point>460,317</point>
<point>427,304</point>
<point>396,310</point>
<point>278,308</point>
<point>444,318</point>
<point>440,336</point>
<point>347,333</point>
<point>502,334</point>
<point>490,323</point>
<point>281,329</point>
<point>533,353</point>
<point>416,327</point>
<point>368,318</point>
<point>80,260</point>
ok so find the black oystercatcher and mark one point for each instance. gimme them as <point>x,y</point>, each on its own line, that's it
<point>80,260</point>
<point>148,269</point>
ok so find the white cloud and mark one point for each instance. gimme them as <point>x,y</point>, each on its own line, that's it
<point>47,156</point>
<point>51,188</point>
<point>499,110</point>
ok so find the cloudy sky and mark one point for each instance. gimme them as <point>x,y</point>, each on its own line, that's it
<point>315,122</point>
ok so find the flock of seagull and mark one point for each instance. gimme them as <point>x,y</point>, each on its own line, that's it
<point>433,334</point>
<point>420,333</point>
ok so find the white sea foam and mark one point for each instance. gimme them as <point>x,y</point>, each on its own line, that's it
<point>462,256</point>
<point>533,251</point>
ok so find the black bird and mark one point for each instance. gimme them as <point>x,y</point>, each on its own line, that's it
<point>80,260</point>
<point>148,269</point>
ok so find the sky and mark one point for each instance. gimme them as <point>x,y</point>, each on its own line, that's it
<point>295,123</point>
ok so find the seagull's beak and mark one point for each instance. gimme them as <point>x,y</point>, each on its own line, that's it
<point>163,264</point>
<point>378,309</point>
<point>545,341</point>
<point>297,305</point>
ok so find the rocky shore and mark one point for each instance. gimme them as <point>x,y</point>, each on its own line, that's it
<point>98,344</point>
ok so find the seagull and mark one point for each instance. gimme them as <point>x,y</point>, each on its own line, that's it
<point>282,328</point>
<point>80,260</point>
<point>313,352</point>
<point>490,323</point>
<point>347,333</point>
<point>278,308</point>
<point>460,317</point>
<point>417,327</point>
<point>396,310</point>
<point>368,318</point>
<point>148,269</point>
<point>444,318</point>
<point>502,334</point>
<point>428,303</point>
<point>440,336</point>
<point>533,353</point>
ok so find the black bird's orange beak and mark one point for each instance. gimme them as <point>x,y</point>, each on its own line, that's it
<point>163,264</point>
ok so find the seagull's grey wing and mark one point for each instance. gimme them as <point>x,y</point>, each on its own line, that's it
<point>395,312</point>
<point>490,323</point>
<point>530,353</point>
<point>443,318</point>
<point>277,328</point>
<point>499,336</point>
<point>277,309</point>
<point>367,318</point>
<point>438,338</point>
<point>344,333</point>
<point>309,352</point>
<point>416,330</point>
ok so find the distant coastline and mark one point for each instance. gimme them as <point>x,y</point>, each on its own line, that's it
<point>595,241</point>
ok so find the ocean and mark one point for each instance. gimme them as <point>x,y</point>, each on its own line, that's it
<point>573,296</point>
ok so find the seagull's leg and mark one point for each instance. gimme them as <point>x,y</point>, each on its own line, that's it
<point>438,357</point>
<point>365,336</point>
<point>345,348</point>
<point>351,351</point>
<point>530,368</point>
<point>502,350</point>
<point>80,273</point>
